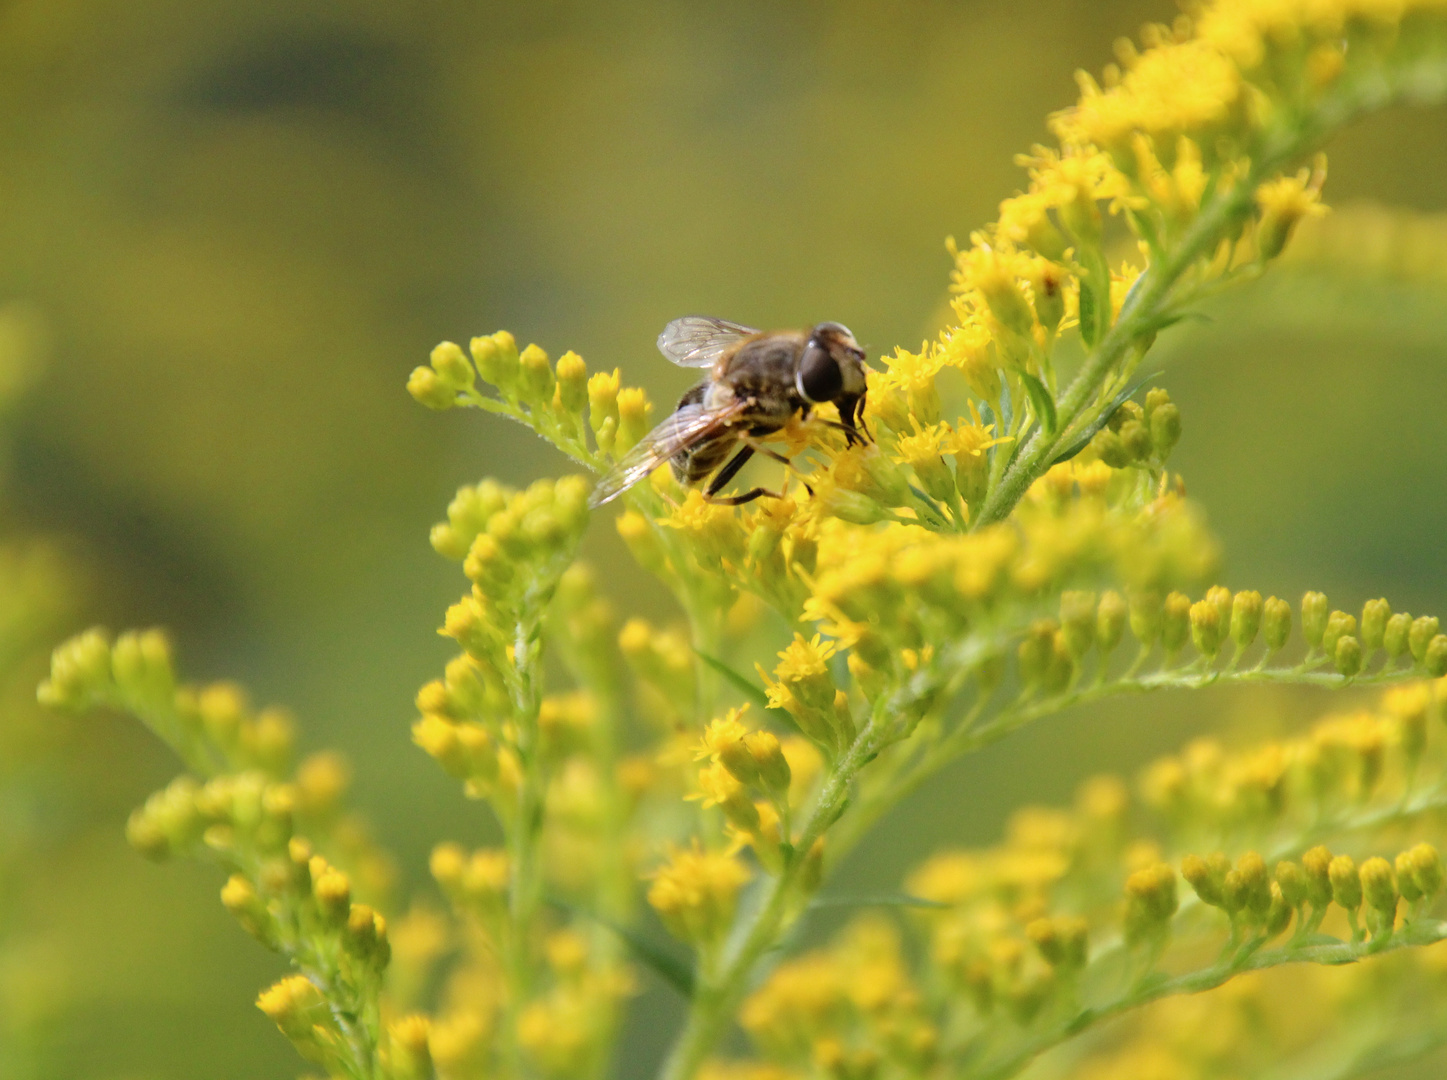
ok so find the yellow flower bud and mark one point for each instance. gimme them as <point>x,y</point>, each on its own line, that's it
<point>1047,288</point>
<point>1245,618</point>
<point>768,757</point>
<point>272,740</point>
<point>1135,440</point>
<point>80,672</point>
<point>1406,882</point>
<point>1379,887</point>
<point>634,409</point>
<point>1146,610</point>
<point>141,666</point>
<point>1346,882</point>
<point>447,863</point>
<point>1176,622</point>
<point>239,897</point>
<point>1279,912</point>
<point>1338,625</point>
<point>409,1056</point>
<point>496,358</point>
<point>1111,448</point>
<point>1207,877</point>
<point>1277,623</point>
<point>1150,902</point>
<point>438,738</point>
<point>837,502</point>
<point>1165,429</point>
<point>223,708</point>
<point>332,891</point>
<point>1375,614</point>
<point>1283,202</point>
<point>720,788</point>
<point>1396,637</point>
<point>1292,882</point>
<point>427,388</point>
<point>297,1007</point>
<point>1206,628</point>
<point>1077,621</point>
<point>1347,657</point>
<point>1316,865</point>
<point>1062,940</point>
<point>1110,621</point>
<point>1248,887</point>
<point>170,820</point>
<point>572,390</point>
<point>1435,659</point>
<point>1314,613</point>
<point>603,390</point>
<point>1427,870</point>
<point>321,780</point>
<point>535,376</point>
<point>366,935</point>
<point>467,624</point>
<point>1424,629</point>
<point>452,367</point>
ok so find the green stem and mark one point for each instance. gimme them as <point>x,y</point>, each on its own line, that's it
<point>716,999</point>
<point>1374,89</point>
<point>1426,932</point>
<point>1142,311</point>
<point>524,831</point>
<point>967,738</point>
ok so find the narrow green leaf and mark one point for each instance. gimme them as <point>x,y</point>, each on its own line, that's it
<point>746,686</point>
<point>1087,314</point>
<point>1041,399</point>
<point>1101,420</point>
<point>671,968</point>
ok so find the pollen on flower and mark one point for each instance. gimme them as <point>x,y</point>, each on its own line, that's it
<point>722,734</point>
<point>695,892</point>
<point>717,786</point>
<point>803,659</point>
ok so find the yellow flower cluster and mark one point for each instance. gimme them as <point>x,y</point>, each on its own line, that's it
<point>1016,933</point>
<point>758,781</point>
<point>695,894</point>
<point>1353,757</point>
<point>850,1010</point>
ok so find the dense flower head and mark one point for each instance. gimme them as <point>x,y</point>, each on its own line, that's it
<point>695,891</point>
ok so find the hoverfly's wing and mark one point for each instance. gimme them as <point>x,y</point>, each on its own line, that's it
<point>687,427</point>
<point>696,341</point>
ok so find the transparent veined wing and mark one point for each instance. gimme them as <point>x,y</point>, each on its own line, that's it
<point>696,341</point>
<point>687,427</point>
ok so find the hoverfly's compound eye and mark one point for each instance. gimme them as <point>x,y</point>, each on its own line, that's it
<point>819,378</point>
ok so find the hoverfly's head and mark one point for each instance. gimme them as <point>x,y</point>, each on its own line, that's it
<point>832,369</point>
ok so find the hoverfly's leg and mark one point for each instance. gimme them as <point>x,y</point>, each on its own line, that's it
<point>739,500</point>
<point>853,418</point>
<point>780,458</point>
<point>728,472</point>
<point>853,433</point>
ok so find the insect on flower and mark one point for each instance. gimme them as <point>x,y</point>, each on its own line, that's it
<point>757,381</point>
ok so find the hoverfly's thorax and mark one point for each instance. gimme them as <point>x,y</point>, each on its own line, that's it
<point>716,395</point>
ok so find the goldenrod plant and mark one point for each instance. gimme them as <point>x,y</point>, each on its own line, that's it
<point>1009,543</point>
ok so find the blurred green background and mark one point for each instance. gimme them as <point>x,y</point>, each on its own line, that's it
<point>236,228</point>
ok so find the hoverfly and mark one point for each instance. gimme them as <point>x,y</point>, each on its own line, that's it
<point>757,381</point>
